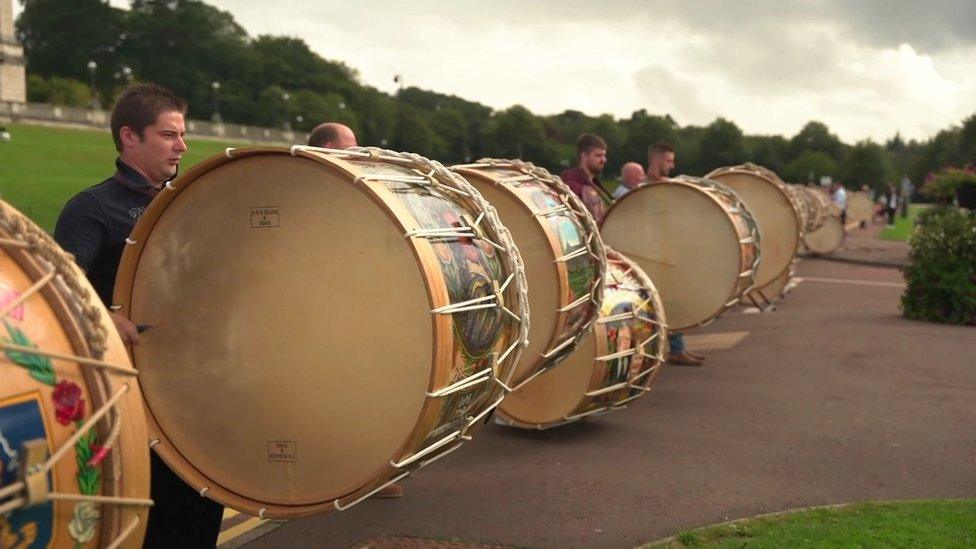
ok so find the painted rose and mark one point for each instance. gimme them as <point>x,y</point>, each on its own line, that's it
<point>68,404</point>
<point>82,526</point>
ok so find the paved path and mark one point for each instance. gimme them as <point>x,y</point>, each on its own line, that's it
<point>831,398</point>
<point>864,246</point>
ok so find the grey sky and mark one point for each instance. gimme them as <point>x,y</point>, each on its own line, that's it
<point>867,68</point>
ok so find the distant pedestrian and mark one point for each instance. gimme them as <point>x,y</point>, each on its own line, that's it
<point>891,204</point>
<point>906,194</point>
<point>839,196</point>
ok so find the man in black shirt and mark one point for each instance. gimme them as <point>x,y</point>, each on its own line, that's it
<point>148,129</point>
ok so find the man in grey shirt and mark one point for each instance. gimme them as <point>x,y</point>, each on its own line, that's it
<point>631,177</point>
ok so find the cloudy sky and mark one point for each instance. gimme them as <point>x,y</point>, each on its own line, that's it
<point>867,68</point>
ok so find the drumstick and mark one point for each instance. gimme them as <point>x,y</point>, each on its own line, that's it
<point>651,259</point>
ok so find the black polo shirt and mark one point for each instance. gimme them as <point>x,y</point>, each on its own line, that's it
<point>94,224</point>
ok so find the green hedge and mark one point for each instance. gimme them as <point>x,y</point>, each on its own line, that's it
<point>942,277</point>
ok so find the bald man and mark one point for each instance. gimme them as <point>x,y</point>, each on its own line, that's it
<point>631,177</point>
<point>332,135</point>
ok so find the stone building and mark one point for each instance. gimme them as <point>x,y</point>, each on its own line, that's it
<point>13,78</point>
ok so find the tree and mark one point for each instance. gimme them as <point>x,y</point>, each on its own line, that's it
<point>60,39</point>
<point>59,91</point>
<point>643,130</point>
<point>866,164</point>
<point>770,151</point>
<point>517,133</point>
<point>721,145</point>
<point>815,136</point>
<point>810,167</point>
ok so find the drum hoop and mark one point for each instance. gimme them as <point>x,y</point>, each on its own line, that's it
<point>685,181</point>
<point>122,297</point>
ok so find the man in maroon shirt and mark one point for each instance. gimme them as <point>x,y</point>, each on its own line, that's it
<point>583,180</point>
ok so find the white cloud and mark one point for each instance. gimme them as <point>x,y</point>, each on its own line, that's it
<point>866,69</point>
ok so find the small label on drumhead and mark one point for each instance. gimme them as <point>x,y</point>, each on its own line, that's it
<point>265,217</point>
<point>282,450</point>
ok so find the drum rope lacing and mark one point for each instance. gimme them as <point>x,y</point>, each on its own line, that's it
<point>595,248</point>
<point>431,172</point>
<point>25,235</point>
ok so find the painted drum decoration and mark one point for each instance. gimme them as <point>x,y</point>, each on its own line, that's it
<point>614,365</point>
<point>321,322</point>
<point>563,254</point>
<point>74,464</point>
<point>771,205</point>
<point>694,238</point>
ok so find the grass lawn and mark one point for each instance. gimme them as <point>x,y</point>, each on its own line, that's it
<point>41,168</point>
<point>940,523</point>
<point>903,225</point>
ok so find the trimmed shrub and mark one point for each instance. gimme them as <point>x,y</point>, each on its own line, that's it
<point>942,277</point>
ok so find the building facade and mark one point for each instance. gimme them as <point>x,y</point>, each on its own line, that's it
<point>13,76</point>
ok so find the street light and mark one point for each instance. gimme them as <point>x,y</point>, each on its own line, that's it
<point>216,93</point>
<point>92,67</point>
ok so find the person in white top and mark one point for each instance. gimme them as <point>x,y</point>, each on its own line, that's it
<point>839,196</point>
<point>631,177</point>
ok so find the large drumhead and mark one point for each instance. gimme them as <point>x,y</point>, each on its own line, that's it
<point>555,393</point>
<point>827,238</point>
<point>687,244</point>
<point>287,314</point>
<point>779,222</point>
<point>860,208</point>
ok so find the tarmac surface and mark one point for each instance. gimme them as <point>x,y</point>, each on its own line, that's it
<point>863,246</point>
<point>831,398</point>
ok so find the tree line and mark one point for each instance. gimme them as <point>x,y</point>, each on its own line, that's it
<point>203,54</point>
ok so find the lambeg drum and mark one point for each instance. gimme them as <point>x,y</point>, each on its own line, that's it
<point>767,295</point>
<point>563,254</point>
<point>771,205</point>
<point>613,366</point>
<point>860,207</point>
<point>694,238</point>
<point>319,323</point>
<point>74,463</point>
<point>829,235</point>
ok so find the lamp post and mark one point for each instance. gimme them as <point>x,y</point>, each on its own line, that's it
<point>287,125</point>
<point>215,86</point>
<point>92,67</point>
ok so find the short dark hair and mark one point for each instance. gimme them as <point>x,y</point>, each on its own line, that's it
<point>587,142</point>
<point>140,105</point>
<point>323,133</point>
<point>660,147</point>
